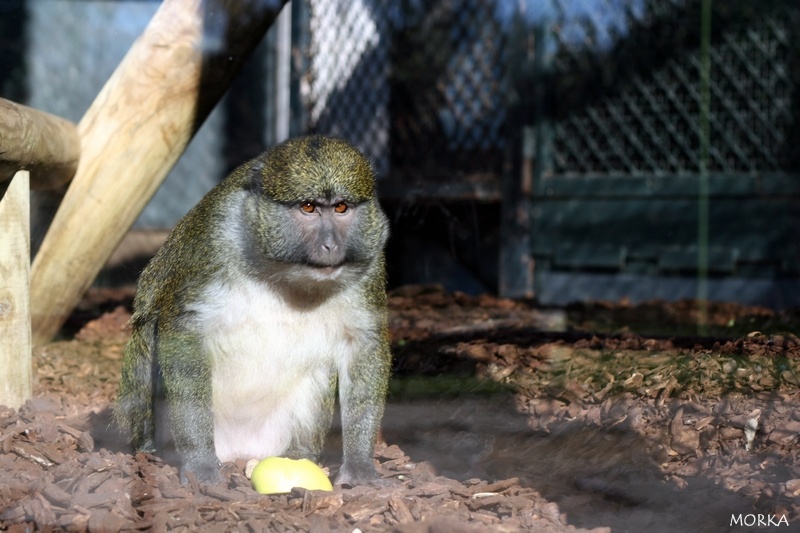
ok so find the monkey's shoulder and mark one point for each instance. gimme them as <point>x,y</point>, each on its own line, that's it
<point>197,250</point>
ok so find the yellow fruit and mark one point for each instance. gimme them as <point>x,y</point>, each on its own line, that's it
<point>274,475</point>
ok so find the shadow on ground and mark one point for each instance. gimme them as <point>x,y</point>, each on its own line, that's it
<point>597,477</point>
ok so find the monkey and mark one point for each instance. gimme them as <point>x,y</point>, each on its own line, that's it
<point>267,297</point>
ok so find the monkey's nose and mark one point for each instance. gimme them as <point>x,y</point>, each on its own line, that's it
<point>330,252</point>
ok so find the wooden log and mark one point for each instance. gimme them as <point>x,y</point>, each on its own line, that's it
<point>15,318</point>
<point>46,145</point>
<point>133,134</point>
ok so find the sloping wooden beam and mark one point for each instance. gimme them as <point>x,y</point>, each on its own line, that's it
<point>46,145</point>
<point>132,135</point>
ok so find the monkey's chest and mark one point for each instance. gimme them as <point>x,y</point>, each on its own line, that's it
<point>273,367</point>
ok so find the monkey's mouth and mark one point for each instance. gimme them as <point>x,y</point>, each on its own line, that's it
<point>325,271</point>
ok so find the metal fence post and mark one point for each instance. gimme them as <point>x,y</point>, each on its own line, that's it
<point>528,156</point>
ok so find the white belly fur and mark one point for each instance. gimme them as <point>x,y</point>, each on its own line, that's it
<point>272,365</point>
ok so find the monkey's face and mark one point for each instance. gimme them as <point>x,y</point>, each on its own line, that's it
<point>315,210</point>
<point>329,235</point>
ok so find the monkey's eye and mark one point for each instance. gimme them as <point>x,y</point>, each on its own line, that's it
<point>341,207</point>
<point>308,207</point>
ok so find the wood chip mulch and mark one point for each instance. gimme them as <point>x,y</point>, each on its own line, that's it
<point>493,424</point>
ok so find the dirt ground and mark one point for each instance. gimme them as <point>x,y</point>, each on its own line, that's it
<point>502,416</point>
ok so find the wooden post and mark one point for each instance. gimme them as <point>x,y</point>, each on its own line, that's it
<point>15,318</point>
<point>132,135</point>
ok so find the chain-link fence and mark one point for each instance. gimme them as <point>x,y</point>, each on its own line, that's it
<point>418,85</point>
<point>422,85</point>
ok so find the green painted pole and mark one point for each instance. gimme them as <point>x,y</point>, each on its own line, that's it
<point>703,190</point>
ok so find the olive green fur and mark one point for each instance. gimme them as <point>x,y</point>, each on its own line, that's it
<point>293,172</point>
<point>200,250</point>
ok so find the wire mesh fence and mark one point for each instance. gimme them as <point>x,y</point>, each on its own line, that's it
<point>417,84</point>
<point>423,86</point>
<point>646,119</point>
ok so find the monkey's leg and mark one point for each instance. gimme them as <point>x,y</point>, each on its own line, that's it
<point>186,372</point>
<point>362,395</point>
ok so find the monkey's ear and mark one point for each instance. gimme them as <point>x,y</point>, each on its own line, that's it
<point>255,178</point>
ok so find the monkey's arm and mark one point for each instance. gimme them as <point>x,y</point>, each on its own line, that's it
<point>186,371</point>
<point>362,393</point>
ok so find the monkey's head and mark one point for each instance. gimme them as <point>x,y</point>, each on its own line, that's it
<point>313,210</point>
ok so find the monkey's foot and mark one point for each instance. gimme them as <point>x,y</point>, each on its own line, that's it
<point>364,474</point>
<point>204,471</point>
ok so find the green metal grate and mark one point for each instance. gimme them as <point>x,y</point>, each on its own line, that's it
<point>645,121</point>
